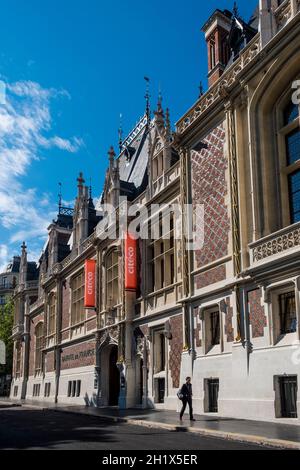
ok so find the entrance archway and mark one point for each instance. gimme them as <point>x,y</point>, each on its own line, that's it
<point>114,378</point>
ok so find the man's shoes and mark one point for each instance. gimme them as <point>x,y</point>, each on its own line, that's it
<point>192,419</point>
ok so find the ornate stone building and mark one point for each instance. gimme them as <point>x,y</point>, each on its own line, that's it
<point>226,313</point>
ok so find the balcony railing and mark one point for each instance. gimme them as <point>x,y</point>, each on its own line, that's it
<point>275,245</point>
<point>285,12</point>
<point>167,178</point>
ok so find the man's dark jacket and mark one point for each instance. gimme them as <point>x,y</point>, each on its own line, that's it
<point>186,391</point>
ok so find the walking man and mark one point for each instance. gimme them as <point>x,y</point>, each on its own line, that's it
<point>187,394</point>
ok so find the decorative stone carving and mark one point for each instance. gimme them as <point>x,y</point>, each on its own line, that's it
<point>224,85</point>
<point>276,245</point>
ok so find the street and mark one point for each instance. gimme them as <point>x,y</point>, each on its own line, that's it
<point>35,429</point>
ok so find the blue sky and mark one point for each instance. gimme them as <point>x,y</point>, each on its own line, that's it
<point>71,67</point>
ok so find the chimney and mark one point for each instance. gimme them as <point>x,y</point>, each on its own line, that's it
<point>216,31</point>
<point>267,23</point>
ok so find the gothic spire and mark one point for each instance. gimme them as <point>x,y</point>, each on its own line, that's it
<point>120,132</point>
<point>147,98</point>
<point>111,156</point>
<point>80,183</point>
<point>168,124</point>
<point>235,10</point>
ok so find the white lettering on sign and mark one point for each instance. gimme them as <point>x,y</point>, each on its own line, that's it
<point>131,260</point>
<point>90,282</point>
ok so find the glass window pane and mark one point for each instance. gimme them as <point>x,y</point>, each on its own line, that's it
<point>291,113</point>
<point>293,147</point>
<point>294,184</point>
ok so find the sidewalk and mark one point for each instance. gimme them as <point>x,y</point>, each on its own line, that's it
<point>282,436</point>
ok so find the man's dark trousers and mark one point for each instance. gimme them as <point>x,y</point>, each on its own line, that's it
<point>185,401</point>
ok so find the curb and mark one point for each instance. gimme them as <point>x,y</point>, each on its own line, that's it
<point>229,436</point>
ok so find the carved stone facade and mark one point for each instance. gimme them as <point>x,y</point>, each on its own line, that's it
<point>229,311</point>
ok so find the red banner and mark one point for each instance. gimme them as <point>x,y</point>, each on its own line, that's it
<point>130,263</point>
<point>90,284</point>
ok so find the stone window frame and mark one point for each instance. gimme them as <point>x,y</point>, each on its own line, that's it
<point>162,250</point>
<point>158,164</point>
<point>77,316</point>
<point>272,294</point>
<point>285,170</point>
<point>208,347</point>
<point>51,314</point>
<point>110,265</point>
<point>39,346</point>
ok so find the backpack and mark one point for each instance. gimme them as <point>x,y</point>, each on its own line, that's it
<point>180,395</point>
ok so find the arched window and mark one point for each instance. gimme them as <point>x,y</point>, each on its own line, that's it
<point>112,279</point>
<point>39,345</point>
<point>290,133</point>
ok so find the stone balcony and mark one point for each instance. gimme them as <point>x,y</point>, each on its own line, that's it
<point>285,12</point>
<point>278,245</point>
<point>166,179</point>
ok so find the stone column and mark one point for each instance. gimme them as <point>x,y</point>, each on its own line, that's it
<point>297,297</point>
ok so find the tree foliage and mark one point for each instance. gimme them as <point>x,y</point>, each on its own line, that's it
<point>6,326</point>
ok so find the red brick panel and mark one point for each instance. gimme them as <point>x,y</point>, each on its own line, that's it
<point>210,277</point>
<point>176,346</point>
<point>91,324</point>
<point>258,319</point>
<point>49,361</point>
<point>79,355</point>
<point>209,188</point>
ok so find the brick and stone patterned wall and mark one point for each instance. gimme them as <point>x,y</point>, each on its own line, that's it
<point>49,362</point>
<point>210,277</point>
<point>91,324</point>
<point>257,316</point>
<point>210,189</point>
<point>176,346</point>
<point>79,355</point>
<point>66,299</point>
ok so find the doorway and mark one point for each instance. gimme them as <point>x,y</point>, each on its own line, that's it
<point>114,377</point>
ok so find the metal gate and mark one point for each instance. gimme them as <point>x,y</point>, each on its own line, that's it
<point>288,396</point>
<point>213,395</point>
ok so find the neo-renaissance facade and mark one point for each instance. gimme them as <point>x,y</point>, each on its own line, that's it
<point>227,313</point>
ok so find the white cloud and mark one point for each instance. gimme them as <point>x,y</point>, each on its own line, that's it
<point>4,257</point>
<point>25,119</point>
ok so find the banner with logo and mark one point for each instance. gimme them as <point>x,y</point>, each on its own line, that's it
<point>130,262</point>
<point>90,284</point>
